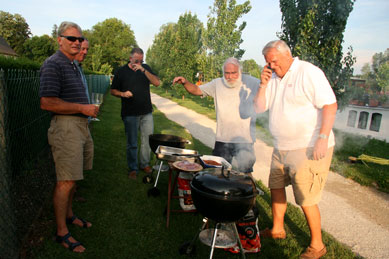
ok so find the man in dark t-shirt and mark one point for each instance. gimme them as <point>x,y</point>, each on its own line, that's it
<point>131,83</point>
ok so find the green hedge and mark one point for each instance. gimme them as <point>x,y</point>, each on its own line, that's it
<point>18,63</point>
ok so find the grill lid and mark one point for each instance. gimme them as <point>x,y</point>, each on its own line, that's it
<point>224,183</point>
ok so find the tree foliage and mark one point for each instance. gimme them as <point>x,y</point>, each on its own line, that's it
<point>223,36</point>
<point>176,49</point>
<point>38,48</point>
<point>252,68</point>
<point>376,74</point>
<point>15,30</point>
<point>114,39</point>
<point>383,76</point>
<point>314,31</point>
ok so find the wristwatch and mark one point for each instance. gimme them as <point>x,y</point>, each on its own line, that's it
<point>323,136</point>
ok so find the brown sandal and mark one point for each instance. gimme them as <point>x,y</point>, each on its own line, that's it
<point>312,253</point>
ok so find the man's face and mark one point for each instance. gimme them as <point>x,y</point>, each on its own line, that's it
<point>83,51</point>
<point>279,62</point>
<point>69,48</point>
<point>231,73</point>
<point>136,59</point>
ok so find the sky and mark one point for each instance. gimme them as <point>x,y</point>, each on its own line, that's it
<point>366,30</point>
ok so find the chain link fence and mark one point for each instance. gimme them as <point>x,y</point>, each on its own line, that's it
<point>27,175</point>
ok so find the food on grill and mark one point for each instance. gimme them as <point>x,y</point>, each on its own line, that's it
<point>187,166</point>
<point>211,162</point>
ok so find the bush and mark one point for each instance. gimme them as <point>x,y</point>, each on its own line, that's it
<point>18,63</point>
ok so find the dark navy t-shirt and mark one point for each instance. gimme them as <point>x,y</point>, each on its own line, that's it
<point>59,77</point>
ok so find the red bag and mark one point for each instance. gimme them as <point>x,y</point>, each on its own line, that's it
<point>248,233</point>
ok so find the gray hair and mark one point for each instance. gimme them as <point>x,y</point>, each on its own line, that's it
<point>66,25</point>
<point>136,50</point>
<point>233,61</point>
<point>279,45</point>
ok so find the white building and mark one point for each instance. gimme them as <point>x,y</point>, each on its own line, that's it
<point>364,120</point>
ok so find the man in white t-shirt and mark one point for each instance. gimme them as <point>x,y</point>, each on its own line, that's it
<point>302,108</point>
<point>235,115</point>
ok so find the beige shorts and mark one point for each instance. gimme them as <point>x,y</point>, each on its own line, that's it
<point>72,146</point>
<point>306,175</point>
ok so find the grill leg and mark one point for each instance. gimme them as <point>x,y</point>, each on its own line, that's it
<point>159,171</point>
<point>214,240</point>
<point>238,238</point>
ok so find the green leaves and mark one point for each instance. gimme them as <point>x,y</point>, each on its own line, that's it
<point>38,48</point>
<point>314,31</point>
<point>111,42</point>
<point>15,30</point>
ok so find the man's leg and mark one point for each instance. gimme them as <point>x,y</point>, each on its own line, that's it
<point>61,198</point>
<point>131,129</point>
<point>278,205</point>
<point>312,214</point>
<point>146,128</point>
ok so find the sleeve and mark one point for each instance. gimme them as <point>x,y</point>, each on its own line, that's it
<point>209,89</point>
<point>148,68</point>
<point>50,80</point>
<point>320,90</point>
<point>116,81</point>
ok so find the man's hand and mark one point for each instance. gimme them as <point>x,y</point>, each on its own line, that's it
<point>126,94</point>
<point>90,110</point>
<point>137,67</point>
<point>179,80</point>
<point>266,76</point>
<point>320,149</point>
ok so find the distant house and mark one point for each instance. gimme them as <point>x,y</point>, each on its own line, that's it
<point>364,120</point>
<point>5,49</point>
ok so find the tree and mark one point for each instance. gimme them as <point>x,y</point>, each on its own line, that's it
<point>252,68</point>
<point>38,48</point>
<point>183,42</point>
<point>378,59</point>
<point>116,40</point>
<point>54,31</point>
<point>383,77</point>
<point>15,30</point>
<point>223,37</point>
<point>314,31</point>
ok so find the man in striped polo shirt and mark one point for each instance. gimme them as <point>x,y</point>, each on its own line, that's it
<point>62,92</point>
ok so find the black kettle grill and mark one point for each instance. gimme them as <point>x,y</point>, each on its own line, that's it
<point>224,196</point>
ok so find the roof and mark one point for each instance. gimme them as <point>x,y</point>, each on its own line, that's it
<point>5,49</point>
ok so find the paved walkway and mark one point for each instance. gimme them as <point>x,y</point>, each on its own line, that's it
<point>355,215</point>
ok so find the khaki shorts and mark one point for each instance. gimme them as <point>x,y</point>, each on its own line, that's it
<point>72,146</point>
<point>306,175</point>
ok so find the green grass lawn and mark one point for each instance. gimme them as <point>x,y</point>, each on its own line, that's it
<point>369,174</point>
<point>129,224</point>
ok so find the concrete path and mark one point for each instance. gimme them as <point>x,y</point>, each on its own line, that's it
<point>355,215</point>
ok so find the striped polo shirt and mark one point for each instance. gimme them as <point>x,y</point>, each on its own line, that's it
<point>59,77</point>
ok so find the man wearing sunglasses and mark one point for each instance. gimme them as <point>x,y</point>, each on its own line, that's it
<point>62,92</point>
<point>132,84</point>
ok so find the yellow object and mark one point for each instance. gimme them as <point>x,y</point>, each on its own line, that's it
<point>372,159</point>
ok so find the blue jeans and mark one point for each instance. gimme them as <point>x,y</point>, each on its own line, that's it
<point>133,124</point>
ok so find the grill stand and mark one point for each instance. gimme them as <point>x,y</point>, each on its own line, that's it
<point>154,191</point>
<point>170,194</point>
<point>188,248</point>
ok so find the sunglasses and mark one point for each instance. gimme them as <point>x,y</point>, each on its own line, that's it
<point>73,38</point>
<point>138,61</point>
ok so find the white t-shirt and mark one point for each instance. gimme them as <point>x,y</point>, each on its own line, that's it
<point>235,115</point>
<point>295,104</point>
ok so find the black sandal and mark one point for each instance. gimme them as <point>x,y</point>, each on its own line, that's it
<point>65,238</point>
<point>73,218</point>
